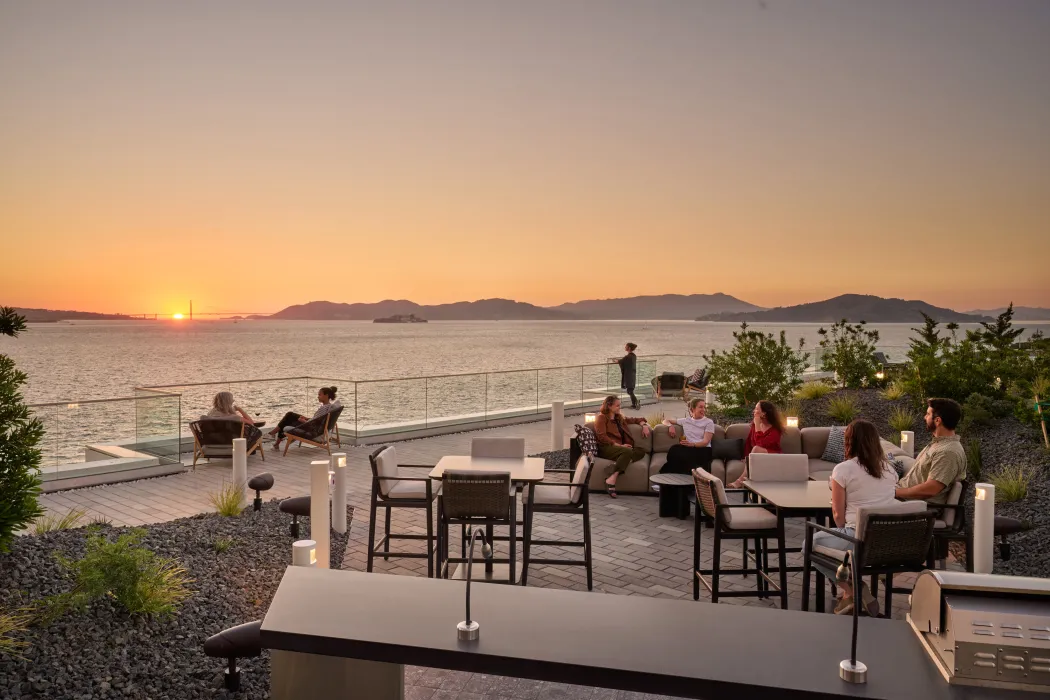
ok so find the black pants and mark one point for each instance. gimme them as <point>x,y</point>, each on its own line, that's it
<point>290,420</point>
<point>683,459</point>
<point>630,392</point>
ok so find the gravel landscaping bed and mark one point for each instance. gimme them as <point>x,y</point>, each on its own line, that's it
<point>105,653</point>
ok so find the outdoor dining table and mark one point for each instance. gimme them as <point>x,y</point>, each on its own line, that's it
<point>528,470</point>
<point>794,499</point>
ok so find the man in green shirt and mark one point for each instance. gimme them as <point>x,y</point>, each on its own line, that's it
<point>942,463</point>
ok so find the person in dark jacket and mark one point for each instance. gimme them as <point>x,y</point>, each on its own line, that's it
<point>629,373</point>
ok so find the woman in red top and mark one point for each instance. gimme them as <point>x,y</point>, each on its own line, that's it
<point>764,436</point>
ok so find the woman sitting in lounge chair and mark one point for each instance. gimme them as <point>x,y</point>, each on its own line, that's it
<point>326,395</point>
<point>224,407</point>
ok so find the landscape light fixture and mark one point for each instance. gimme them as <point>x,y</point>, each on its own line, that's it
<point>983,528</point>
<point>469,630</point>
<point>589,418</point>
<point>851,670</point>
<point>304,553</point>
<point>908,442</point>
<point>792,421</point>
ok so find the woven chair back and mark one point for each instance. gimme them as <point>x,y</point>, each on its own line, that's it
<point>476,494</point>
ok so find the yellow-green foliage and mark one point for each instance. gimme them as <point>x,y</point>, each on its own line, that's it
<point>53,522</point>
<point>813,390</point>
<point>843,408</point>
<point>11,624</point>
<point>893,392</point>
<point>227,500</point>
<point>1011,484</point>
<point>901,419</point>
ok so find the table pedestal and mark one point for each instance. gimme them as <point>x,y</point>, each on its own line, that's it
<point>294,676</point>
<point>674,501</point>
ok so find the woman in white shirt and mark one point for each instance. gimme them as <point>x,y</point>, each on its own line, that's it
<point>694,449</point>
<point>864,480</point>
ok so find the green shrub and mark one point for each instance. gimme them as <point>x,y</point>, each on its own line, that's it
<point>20,434</point>
<point>222,544</point>
<point>655,419</point>
<point>101,521</point>
<point>843,408</point>
<point>974,460</point>
<point>945,367</point>
<point>849,352</point>
<point>136,578</point>
<point>813,390</point>
<point>901,419</point>
<point>894,391</point>
<point>1011,484</point>
<point>51,523</point>
<point>726,415</point>
<point>757,367</point>
<point>11,624</point>
<point>228,500</point>
<point>792,407</point>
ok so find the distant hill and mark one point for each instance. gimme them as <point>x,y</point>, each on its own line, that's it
<point>854,307</point>
<point>49,316</point>
<point>660,307</point>
<point>481,310</point>
<point>1021,313</point>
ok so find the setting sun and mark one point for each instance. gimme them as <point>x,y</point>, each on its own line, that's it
<point>177,317</point>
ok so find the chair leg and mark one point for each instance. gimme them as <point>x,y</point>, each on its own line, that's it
<point>371,531</point>
<point>526,546</point>
<point>716,564</point>
<point>587,545</point>
<point>698,529</point>
<point>430,540</point>
<point>806,568</point>
<point>889,596</point>
<point>287,444</point>
<point>745,556</point>
<point>386,536</point>
<point>782,565</point>
<point>337,441</point>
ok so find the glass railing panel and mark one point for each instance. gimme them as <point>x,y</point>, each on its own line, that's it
<point>455,399</point>
<point>559,384</point>
<point>390,406</point>
<point>598,381</point>
<point>510,394</point>
<point>74,429</point>
<point>158,420</point>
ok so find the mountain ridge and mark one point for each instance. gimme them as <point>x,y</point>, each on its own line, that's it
<point>1021,313</point>
<point>852,307</point>
<point>669,307</point>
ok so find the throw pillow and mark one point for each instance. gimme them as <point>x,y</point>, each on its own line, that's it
<point>899,466</point>
<point>835,452</point>
<point>726,450</point>
<point>587,440</point>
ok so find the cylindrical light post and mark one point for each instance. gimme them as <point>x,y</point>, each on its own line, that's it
<point>304,553</point>
<point>908,442</point>
<point>240,467</point>
<point>320,527</point>
<point>983,528</point>
<point>339,494</point>
<point>557,426</point>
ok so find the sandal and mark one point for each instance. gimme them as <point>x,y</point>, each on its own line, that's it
<point>610,489</point>
<point>277,446</point>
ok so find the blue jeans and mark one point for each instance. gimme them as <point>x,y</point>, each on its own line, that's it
<point>824,539</point>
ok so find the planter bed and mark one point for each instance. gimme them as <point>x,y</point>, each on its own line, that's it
<point>103,652</point>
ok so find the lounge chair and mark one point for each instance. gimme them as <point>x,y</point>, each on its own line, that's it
<point>318,432</point>
<point>696,383</point>
<point>213,437</point>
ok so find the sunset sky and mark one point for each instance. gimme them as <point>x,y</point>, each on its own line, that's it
<point>250,155</point>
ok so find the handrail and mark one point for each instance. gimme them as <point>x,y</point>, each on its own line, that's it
<point>73,404</point>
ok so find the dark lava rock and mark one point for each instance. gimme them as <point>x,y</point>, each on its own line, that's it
<point>103,652</point>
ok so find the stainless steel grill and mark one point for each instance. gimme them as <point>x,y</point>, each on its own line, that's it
<point>984,629</point>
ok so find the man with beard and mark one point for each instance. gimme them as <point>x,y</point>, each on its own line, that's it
<point>942,463</point>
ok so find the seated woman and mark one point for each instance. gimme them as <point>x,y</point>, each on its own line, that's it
<point>694,449</point>
<point>764,437</point>
<point>326,395</point>
<point>223,407</point>
<point>864,480</point>
<point>615,441</point>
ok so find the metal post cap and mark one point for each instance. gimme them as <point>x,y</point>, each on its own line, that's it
<point>853,672</point>
<point>468,631</point>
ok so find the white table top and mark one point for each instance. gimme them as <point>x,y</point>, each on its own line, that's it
<point>529,469</point>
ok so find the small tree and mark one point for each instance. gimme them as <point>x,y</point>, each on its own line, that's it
<point>19,435</point>
<point>757,367</point>
<point>946,366</point>
<point>1008,361</point>
<point>849,352</point>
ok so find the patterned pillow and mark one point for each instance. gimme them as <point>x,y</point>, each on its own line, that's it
<point>697,377</point>
<point>587,440</point>
<point>899,466</point>
<point>835,452</point>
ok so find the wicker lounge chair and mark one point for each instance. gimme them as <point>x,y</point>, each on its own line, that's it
<point>318,432</point>
<point>213,437</point>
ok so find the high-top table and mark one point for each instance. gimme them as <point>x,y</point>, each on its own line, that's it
<point>528,470</point>
<point>347,635</point>
<point>795,499</point>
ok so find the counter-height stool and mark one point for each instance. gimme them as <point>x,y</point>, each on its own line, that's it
<point>475,499</point>
<point>392,487</point>
<point>569,498</point>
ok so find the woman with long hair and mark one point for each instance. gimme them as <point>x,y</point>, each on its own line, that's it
<point>864,480</point>
<point>767,426</point>
<point>325,395</point>
<point>224,407</point>
<point>615,442</point>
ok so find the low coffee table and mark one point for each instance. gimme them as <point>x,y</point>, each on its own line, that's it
<point>674,494</point>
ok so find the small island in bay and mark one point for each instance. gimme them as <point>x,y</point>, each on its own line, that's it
<point>400,318</point>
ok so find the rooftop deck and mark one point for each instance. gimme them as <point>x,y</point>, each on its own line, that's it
<point>635,551</point>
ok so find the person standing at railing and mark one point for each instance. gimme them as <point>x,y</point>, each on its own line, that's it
<point>629,373</point>
<point>326,395</point>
